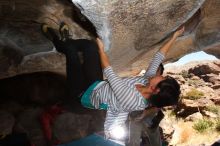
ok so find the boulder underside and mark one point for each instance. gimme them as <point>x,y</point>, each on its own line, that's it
<point>131,30</point>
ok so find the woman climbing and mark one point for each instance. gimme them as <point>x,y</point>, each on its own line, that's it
<point>118,96</point>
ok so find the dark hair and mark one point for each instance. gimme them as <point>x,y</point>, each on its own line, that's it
<point>161,68</point>
<point>168,94</point>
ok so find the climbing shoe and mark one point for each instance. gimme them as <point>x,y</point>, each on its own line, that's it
<point>49,32</point>
<point>64,31</point>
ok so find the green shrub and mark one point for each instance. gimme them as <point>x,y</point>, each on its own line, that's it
<point>185,74</point>
<point>171,113</point>
<point>191,82</point>
<point>194,94</point>
<point>203,125</point>
<point>213,109</point>
<point>217,125</point>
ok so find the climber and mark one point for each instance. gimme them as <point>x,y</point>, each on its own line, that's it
<point>118,95</point>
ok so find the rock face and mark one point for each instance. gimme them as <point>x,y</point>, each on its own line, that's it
<point>207,68</point>
<point>135,26</point>
<point>199,101</point>
<point>132,31</point>
<point>199,86</point>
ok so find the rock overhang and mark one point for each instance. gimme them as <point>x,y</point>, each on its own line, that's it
<point>132,31</point>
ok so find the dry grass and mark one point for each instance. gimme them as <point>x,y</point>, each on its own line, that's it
<point>182,133</point>
<point>185,135</point>
<point>194,94</point>
<point>203,125</point>
<point>217,126</point>
<point>214,109</point>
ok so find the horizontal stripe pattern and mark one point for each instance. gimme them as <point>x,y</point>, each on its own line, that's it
<point>121,94</point>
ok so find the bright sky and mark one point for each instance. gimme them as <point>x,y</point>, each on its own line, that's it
<point>193,57</point>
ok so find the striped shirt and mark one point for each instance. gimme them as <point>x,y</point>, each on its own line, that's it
<point>121,94</point>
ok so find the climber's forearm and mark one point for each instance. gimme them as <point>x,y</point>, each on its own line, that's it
<point>169,44</point>
<point>104,58</point>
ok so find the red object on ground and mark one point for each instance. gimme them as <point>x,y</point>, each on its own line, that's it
<point>47,118</point>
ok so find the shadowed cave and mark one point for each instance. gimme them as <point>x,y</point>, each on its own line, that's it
<point>41,88</point>
<point>29,97</point>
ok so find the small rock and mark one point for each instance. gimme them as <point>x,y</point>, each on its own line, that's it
<point>194,117</point>
<point>195,78</point>
<point>210,114</point>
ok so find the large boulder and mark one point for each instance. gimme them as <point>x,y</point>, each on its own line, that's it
<point>206,68</point>
<point>132,31</point>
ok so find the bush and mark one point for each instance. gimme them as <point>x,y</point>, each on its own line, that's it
<point>213,109</point>
<point>217,126</point>
<point>191,82</point>
<point>202,125</point>
<point>171,113</point>
<point>194,94</point>
<point>185,74</point>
